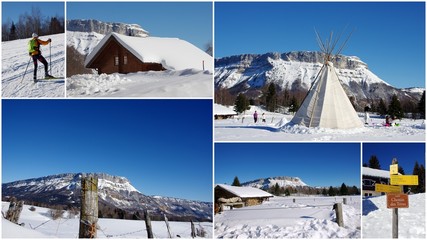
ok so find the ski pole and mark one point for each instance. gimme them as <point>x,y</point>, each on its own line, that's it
<point>25,70</point>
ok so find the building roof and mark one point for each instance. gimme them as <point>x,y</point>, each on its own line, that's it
<point>223,110</point>
<point>366,171</point>
<point>245,192</point>
<point>172,53</point>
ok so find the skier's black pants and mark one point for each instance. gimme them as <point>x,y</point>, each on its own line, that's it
<point>42,60</point>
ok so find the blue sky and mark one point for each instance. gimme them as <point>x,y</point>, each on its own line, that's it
<point>317,164</point>
<point>190,21</point>
<point>12,10</point>
<point>389,37</point>
<point>164,147</point>
<point>406,154</point>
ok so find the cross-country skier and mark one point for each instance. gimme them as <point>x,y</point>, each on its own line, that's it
<point>35,53</point>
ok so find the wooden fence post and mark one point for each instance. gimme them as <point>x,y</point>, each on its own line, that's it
<point>148,224</point>
<point>167,226</point>
<point>89,207</point>
<point>344,200</point>
<point>339,215</point>
<point>14,211</point>
<point>294,200</point>
<point>193,230</point>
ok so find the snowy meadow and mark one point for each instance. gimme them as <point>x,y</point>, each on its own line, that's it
<point>281,217</point>
<point>277,128</point>
<point>39,224</point>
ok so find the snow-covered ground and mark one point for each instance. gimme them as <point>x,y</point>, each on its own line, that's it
<point>184,83</point>
<point>14,62</point>
<point>376,218</point>
<point>243,128</point>
<point>39,224</point>
<point>308,217</point>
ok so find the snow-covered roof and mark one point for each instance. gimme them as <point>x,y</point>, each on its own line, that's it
<point>245,192</point>
<point>172,53</point>
<point>223,110</point>
<point>366,171</point>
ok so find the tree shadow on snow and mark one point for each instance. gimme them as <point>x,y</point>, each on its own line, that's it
<point>368,206</point>
<point>266,128</point>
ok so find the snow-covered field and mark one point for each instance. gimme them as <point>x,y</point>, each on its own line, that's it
<point>308,217</point>
<point>243,128</point>
<point>377,218</point>
<point>184,83</point>
<point>39,224</point>
<point>14,62</point>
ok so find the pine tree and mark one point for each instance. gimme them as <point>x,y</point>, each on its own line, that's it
<point>422,106</point>
<point>331,191</point>
<point>276,189</point>
<point>287,193</point>
<point>400,170</point>
<point>241,104</point>
<point>395,108</point>
<point>382,108</point>
<point>420,172</point>
<point>236,182</point>
<point>324,192</point>
<point>343,189</point>
<point>271,98</point>
<point>12,34</point>
<point>374,162</point>
<point>294,105</point>
<point>365,165</point>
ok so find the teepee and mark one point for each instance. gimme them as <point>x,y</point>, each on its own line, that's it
<point>326,104</point>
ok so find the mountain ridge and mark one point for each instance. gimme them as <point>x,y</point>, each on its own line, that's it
<point>113,191</point>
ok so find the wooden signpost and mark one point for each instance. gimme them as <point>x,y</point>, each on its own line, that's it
<point>387,188</point>
<point>395,198</point>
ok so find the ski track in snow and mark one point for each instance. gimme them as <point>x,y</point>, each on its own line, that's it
<point>184,83</point>
<point>308,217</point>
<point>276,128</point>
<point>16,83</point>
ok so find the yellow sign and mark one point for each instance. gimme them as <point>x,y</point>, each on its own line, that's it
<point>404,179</point>
<point>387,188</point>
<point>394,169</point>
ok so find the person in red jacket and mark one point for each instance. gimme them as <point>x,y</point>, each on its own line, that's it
<point>35,53</point>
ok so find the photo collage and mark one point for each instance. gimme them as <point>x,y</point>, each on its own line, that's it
<point>213,119</point>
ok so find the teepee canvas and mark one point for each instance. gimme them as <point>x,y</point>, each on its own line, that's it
<point>326,104</point>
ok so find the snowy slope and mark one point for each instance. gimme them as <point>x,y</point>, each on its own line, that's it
<point>14,62</point>
<point>377,218</point>
<point>83,42</point>
<point>185,83</point>
<point>276,128</point>
<point>281,218</point>
<point>68,226</point>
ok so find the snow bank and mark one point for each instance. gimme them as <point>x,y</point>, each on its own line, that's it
<point>185,83</point>
<point>281,218</point>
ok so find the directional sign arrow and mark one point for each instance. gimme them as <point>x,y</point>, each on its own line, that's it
<point>387,188</point>
<point>404,179</point>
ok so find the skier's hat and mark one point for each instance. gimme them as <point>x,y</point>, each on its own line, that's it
<point>34,35</point>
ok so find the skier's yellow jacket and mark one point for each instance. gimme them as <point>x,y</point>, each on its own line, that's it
<point>34,44</point>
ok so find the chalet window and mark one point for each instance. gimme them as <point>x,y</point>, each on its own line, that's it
<point>125,59</point>
<point>116,60</point>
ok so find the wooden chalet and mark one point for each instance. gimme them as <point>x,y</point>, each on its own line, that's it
<point>223,112</point>
<point>250,196</point>
<point>117,53</point>
<point>370,177</point>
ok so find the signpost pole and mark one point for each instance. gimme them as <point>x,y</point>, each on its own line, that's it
<point>395,223</point>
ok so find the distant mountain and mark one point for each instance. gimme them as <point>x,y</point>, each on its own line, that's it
<point>297,70</point>
<point>92,25</point>
<point>266,183</point>
<point>113,191</point>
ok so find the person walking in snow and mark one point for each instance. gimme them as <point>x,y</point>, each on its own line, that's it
<point>36,55</point>
<point>263,117</point>
<point>255,116</point>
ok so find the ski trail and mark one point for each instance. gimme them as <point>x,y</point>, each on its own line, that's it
<point>16,83</point>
